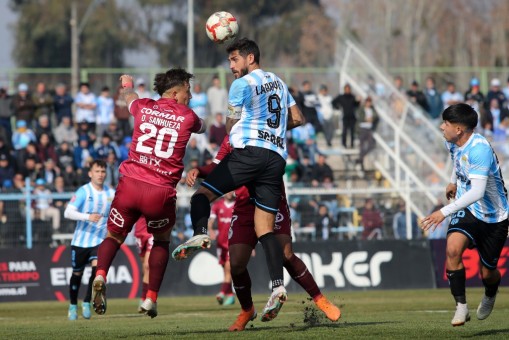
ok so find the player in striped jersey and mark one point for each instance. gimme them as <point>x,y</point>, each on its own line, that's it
<point>89,206</point>
<point>479,215</point>
<point>260,109</point>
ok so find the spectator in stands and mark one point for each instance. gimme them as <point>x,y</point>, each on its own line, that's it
<point>399,224</point>
<point>106,146</point>
<point>141,90</point>
<point>6,171</point>
<point>326,112</point>
<point>495,92</point>
<point>48,172</point>
<point>217,131</point>
<point>82,152</point>
<point>321,170</point>
<point>65,156</point>
<point>61,203</point>
<point>104,111</point>
<point>122,114</point>
<point>45,150</point>
<point>496,120</point>
<point>22,136</point>
<point>199,101</point>
<point>368,122</point>
<point>71,177</point>
<point>192,152</point>
<point>308,103</point>
<point>31,168</point>
<point>44,208</point>
<point>65,132</point>
<point>372,221</point>
<point>505,90</point>
<point>474,96</point>
<point>84,130</point>
<point>21,155</point>
<point>43,101</point>
<point>398,84</point>
<point>112,173</point>
<point>124,148</point>
<point>217,97</point>
<point>416,96</point>
<point>86,104</point>
<point>451,96</point>
<point>115,133</point>
<point>434,99</point>
<point>44,126</point>
<point>62,103</point>
<point>323,223</point>
<point>305,170</point>
<point>6,112</point>
<point>348,103</point>
<point>23,105</point>
<point>304,137</point>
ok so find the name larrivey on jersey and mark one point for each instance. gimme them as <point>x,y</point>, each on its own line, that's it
<point>267,87</point>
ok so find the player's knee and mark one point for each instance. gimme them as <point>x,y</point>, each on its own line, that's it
<point>117,237</point>
<point>203,193</point>
<point>453,254</point>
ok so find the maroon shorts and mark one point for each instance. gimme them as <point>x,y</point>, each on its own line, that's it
<point>134,198</point>
<point>144,244</point>
<point>223,255</point>
<point>243,231</point>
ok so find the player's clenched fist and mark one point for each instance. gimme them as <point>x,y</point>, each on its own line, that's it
<point>127,81</point>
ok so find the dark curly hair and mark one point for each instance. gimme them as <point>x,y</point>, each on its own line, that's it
<point>245,47</point>
<point>172,78</point>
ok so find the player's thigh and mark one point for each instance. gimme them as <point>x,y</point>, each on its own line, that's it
<point>267,186</point>
<point>160,211</point>
<point>124,211</point>
<point>490,241</point>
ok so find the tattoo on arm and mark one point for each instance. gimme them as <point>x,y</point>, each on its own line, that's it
<point>128,95</point>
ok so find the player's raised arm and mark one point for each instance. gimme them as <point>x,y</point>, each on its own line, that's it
<point>127,91</point>
<point>295,117</point>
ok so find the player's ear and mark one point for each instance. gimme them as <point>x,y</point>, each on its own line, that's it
<point>250,59</point>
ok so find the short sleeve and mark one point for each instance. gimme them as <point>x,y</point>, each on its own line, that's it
<point>79,198</point>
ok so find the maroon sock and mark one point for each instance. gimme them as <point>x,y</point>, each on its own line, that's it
<point>157,263</point>
<point>105,255</point>
<point>242,285</point>
<point>144,289</point>
<point>226,288</point>
<point>300,273</point>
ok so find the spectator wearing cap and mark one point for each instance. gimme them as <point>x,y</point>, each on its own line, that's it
<point>6,112</point>
<point>44,208</point>
<point>6,170</point>
<point>62,102</point>
<point>65,132</point>
<point>451,96</point>
<point>22,136</point>
<point>416,96</point>
<point>141,90</point>
<point>46,150</point>
<point>434,99</point>
<point>43,101</point>
<point>104,111</point>
<point>85,105</point>
<point>495,92</point>
<point>23,105</point>
<point>474,96</point>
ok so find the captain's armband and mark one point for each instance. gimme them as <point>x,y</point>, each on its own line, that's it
<point>234,112</point>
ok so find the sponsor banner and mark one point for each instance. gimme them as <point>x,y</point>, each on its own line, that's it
<point>43,273</point>
<point>471,262</point>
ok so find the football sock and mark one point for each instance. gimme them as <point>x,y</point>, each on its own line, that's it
<point>300,273</point>
<point>105,255</point>
<point>74,287</point>
<point>226,288</point>
<point>200,213</point>
<point>457,279</point>
<point>274,258</point>
<point>88,295</point>
<point>242,285</point>
<point>144,290</point>
<point>490,289</point>
<point>157,263</point>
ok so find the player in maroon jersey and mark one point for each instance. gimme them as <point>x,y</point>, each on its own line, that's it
<point>242,240</point>
<point>221,212</point>
<point>154,166</point>
<point>144,243</point>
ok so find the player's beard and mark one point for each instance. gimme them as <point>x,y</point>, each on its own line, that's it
<point>243,72</point>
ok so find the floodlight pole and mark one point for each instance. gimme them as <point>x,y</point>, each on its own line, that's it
<point>190,37</point>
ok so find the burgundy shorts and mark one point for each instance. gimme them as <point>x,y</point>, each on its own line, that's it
<point>223,255</point>
<point>243,231</point>
<point>134,198</point>
<point>144,244</point>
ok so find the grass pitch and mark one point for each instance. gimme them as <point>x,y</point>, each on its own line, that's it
<point>409,314</point>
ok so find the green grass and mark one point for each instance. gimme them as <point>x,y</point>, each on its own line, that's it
<point>411,314</point>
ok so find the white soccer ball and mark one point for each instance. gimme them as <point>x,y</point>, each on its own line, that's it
<point>221,27</point>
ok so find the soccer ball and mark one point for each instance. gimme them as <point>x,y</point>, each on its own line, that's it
<point>221,27</point>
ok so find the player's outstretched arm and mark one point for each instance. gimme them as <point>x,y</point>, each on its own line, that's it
<point>127,91</point>
<point>295,118</point>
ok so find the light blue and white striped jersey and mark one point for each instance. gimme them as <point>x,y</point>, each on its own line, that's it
<point>89,200</point>
<point>476,159</point>
<point>261,101</point>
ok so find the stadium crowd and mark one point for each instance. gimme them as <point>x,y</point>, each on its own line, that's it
<point>51,137</point>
